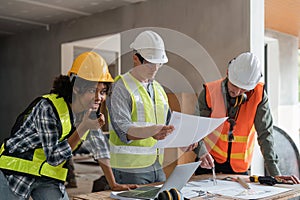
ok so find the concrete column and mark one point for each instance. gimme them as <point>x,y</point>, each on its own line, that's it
<point>257,47</point>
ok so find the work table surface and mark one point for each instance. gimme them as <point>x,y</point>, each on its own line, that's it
<point>295,192</point>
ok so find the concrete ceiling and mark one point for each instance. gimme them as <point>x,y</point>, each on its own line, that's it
<point>21,15</point>
<point>283,16</point>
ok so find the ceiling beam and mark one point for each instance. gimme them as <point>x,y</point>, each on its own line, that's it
<point>7,33</point>
<point>24,21</point>
<point>55,7</point>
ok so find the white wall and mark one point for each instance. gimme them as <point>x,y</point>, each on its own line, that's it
<point>285,82</point>
<point>273,76</point>
<point>109,42</point>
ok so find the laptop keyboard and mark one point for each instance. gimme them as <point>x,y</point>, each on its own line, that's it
<point>147,192</point>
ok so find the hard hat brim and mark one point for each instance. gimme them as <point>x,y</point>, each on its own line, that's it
<point>155,56</point>
<point>241,85</point>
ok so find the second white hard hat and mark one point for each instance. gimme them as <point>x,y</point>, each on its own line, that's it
<point>245,71</point>
<point>151,47</point>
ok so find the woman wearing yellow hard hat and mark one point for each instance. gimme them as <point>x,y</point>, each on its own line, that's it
<point>45,134</point>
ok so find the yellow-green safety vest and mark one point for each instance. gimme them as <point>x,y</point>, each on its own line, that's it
<point>38,165</point>
<point>140,153</point>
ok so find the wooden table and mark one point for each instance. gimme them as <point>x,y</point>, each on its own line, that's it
<point>295,192</point>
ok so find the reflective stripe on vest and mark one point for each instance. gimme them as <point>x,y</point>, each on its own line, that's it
<point>244,131</point>
<point>137,150</point>
<point>2,149</point>
<point>140,153</point>
<point>63,112</point>
<point>38,165</point>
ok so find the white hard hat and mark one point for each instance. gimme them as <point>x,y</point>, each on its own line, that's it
<point>151,47</point>
<point>245,71</point>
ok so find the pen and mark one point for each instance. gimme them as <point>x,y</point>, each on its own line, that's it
<point>243,183</point>
<point>214,175</point>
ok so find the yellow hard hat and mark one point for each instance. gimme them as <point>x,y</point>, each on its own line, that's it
<point>91,66</point>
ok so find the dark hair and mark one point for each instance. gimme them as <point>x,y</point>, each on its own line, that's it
<point>140,57</point>
<point>63,87</point>
<point>108,86</point>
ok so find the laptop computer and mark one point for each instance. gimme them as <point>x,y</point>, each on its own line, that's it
<point>178,178</point>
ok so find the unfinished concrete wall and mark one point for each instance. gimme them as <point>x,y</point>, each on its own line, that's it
<point>29,61</point>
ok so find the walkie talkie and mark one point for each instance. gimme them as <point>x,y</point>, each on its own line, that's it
<point>230,132</point>
<point>95,114</point>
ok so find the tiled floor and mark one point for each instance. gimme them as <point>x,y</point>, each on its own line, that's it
<point>87,170</point>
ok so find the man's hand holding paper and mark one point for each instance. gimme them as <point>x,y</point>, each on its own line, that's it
<point>163,132</point>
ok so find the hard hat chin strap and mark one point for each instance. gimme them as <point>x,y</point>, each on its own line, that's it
<point>72,78</point>
<point>237,101</point>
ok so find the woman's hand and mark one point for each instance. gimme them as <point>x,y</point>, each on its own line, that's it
<point>101,120</point>
<point>121,187</point>
<point>88,123</point>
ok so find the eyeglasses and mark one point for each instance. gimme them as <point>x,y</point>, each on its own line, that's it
<point>148,64</point>
<point>144,61</point>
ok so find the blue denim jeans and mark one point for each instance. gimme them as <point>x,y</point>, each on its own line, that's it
<point>41,189</point>
<point>151,174</point>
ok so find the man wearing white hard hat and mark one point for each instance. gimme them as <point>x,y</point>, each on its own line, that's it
<point>242,98</point>
<point>138,109</point>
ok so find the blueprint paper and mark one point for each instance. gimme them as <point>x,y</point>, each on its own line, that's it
<point>188,130</point>
<point>231,189</point>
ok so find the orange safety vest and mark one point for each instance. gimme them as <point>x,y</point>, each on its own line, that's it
<point>244,131</point>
